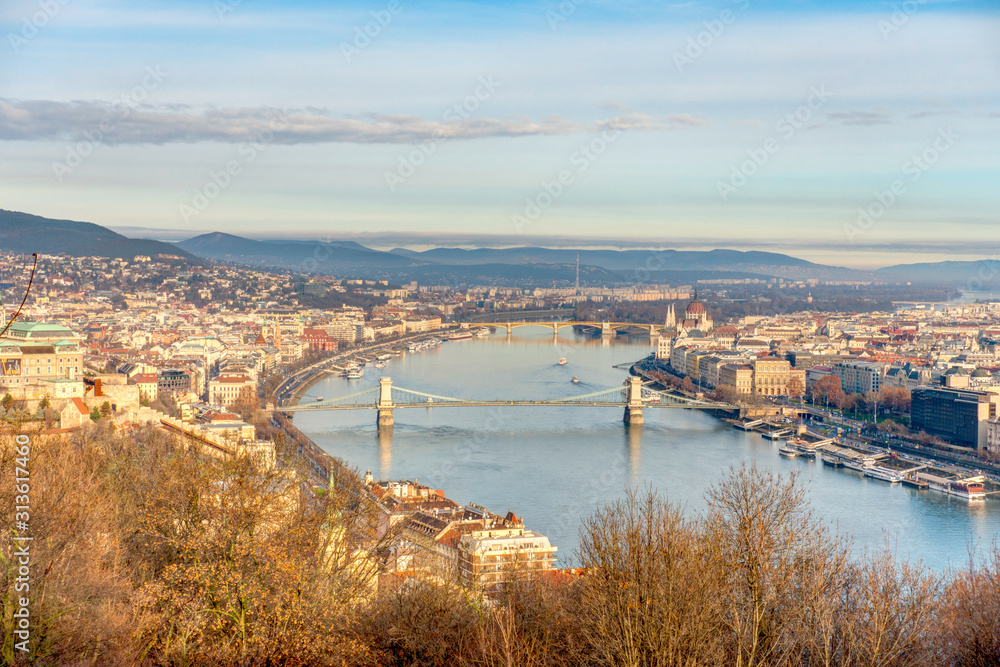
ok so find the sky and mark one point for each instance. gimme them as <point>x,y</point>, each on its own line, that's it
<point>857,134</point>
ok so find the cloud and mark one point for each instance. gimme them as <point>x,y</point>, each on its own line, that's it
<point>859,117</point>
<point>933,112</point>
<point>117,123</point>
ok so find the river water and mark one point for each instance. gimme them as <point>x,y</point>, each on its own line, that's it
<point>553,465</point>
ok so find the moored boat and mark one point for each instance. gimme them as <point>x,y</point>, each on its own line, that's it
<point>832,460</point>
<point>788,452</point>
<point>859,463</point>
<point>967,490</point>
<point>884,474</point>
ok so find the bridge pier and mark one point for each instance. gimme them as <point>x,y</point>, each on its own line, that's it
<point>555,331</point>
<point>633,402</point>
<point>384,405</point>
<point>606,329</point>
<point>510,329</point>
<point>654,332</point>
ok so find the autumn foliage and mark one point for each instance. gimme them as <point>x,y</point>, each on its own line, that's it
<point>147,554</point>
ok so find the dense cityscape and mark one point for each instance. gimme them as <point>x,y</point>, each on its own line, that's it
<point>212,352</point>
<point>500,334</point>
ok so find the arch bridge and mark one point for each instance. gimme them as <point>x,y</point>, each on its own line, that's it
<point>606,328</point>
<point>633,396</point>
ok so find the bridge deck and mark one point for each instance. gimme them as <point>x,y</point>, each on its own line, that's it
<point>481,404</point>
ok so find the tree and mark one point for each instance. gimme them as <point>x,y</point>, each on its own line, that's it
<point>970,614</point>
<point>827,390</point>
<point>651,597</point>
<point>687,385</point>
<point>795,387</point>
<point>772,552</point>
<point>246,403</point>
<point>895,399</point>
<point>727,393</point>
<point>7,401</point>
<point>871,403</point>
<point>851,401</point>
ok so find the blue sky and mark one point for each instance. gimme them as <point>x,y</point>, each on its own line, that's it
<point>853,133</point>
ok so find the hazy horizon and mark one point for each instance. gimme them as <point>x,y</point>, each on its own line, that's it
<point>846,133</point>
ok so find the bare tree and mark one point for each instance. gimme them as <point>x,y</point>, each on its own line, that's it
<point>765,535</point>
<point>650,595</point>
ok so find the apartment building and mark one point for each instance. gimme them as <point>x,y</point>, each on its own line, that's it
<point>489,558</point>
<point>859,377</point>
<point>230,388</point>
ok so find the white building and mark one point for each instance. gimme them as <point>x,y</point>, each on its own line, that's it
<point>859,377</point>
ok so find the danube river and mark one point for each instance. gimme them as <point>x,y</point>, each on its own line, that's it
<point>553,465</point>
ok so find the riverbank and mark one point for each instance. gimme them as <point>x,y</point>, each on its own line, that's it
<point>291,390</point>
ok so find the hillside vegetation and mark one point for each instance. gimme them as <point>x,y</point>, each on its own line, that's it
<point>144,554</point>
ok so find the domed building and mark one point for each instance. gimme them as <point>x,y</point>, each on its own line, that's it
<point>697,316</point>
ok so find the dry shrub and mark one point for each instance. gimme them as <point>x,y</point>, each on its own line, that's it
<point>969,632</point>
<point>650,597</point>
<point>423,623</point>
<point>147,554</point>
<point>80,600</point>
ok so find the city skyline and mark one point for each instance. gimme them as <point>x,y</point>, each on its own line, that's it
<point>696,125</point>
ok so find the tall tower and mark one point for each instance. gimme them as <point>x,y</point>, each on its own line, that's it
<point>578,273</point>
<point>671,320</point>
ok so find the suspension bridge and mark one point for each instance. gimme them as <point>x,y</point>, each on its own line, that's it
<point>633,396</point>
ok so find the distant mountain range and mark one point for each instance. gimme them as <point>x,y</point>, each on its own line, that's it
<point>307,257</point>
<point>966,275</point>
<point>25,233</point>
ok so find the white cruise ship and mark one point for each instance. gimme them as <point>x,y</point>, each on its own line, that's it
<point>884,474</point>
<point>859,463</point>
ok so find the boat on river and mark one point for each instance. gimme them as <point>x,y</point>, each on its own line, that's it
<point>884,474</point>
<point>967,490</point>
<point>832,460</point>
